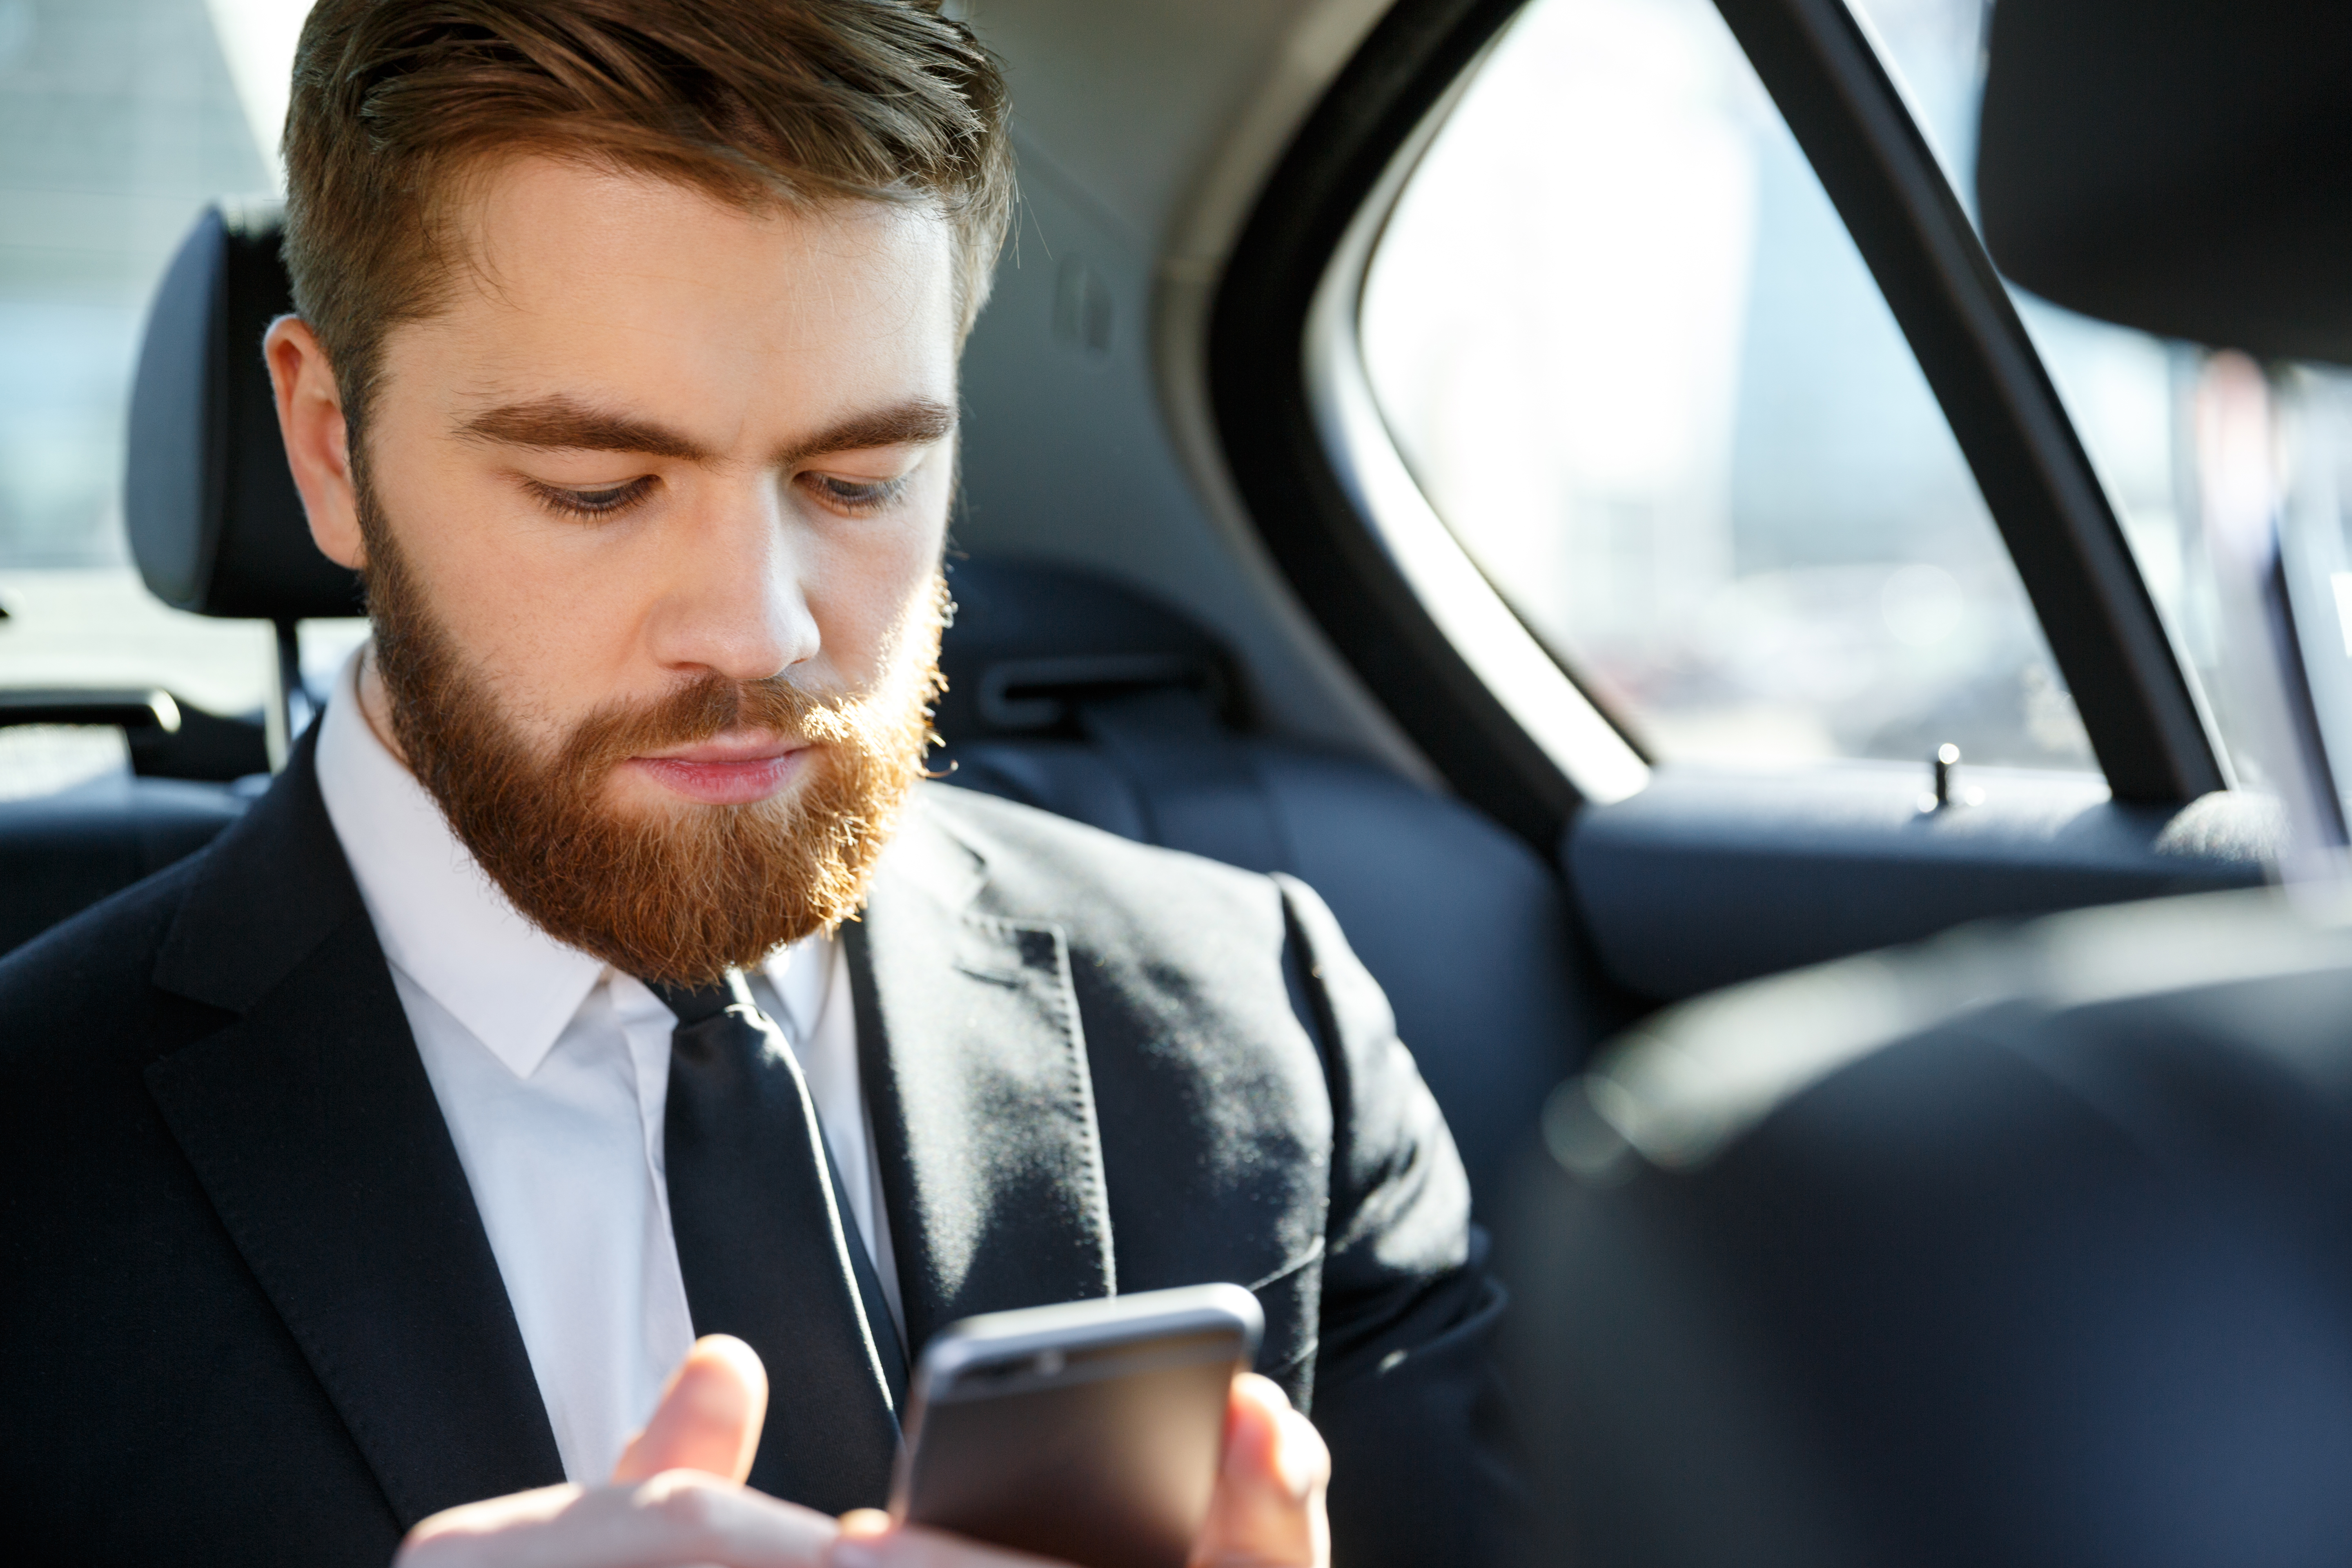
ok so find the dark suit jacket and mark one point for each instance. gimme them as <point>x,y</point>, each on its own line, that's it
<point>251,1314</point>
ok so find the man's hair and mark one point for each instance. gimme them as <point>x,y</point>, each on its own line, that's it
<point>396,102</point>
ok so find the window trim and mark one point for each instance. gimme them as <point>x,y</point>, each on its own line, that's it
<point>1849,117</point>
<point>1600,762</point>
<point>1275,446</point>
<point>1329,496</point>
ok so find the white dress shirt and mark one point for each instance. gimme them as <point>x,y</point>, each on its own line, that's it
<point>552,1071</point>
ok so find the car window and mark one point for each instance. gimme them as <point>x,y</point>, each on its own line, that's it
<point>119,120</point>
<point>2132,397</point>
<point>1629,352</point>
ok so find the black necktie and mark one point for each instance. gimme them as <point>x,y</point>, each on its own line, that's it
<point>769,1255</point>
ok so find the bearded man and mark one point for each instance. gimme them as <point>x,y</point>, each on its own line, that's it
<point>600,972</point>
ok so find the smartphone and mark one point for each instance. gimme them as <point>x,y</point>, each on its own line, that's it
<point>1089,1433</point>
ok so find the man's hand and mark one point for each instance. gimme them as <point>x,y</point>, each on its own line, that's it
<point>676,1495</point>
<point>708,1418</point>
<point>1267,1511</point>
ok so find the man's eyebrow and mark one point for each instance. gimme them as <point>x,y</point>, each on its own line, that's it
<point>913,423</point>
<point>561,424</point>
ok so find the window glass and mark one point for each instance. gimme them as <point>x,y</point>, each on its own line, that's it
<point>2132,397</point>
<point>119,120</point>
<point>1632,357</point>
<point>2126,392</point>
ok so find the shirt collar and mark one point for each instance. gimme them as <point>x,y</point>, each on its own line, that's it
<point>802,975</point>
<point>441,920</point>
<point>448,928</point>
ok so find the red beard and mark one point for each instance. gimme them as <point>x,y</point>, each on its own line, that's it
<point>677,896</point>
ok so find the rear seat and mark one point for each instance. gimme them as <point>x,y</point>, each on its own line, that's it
<point>216,528</point>
<point>61,853</point>
<point>1065,692</point>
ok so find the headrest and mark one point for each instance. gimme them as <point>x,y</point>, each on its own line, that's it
<point>215,524</point>
<point>2179,166</point>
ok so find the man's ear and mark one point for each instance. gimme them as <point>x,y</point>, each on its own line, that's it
<point>317,442</point>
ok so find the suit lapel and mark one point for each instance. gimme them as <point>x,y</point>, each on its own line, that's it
<point>314,1130</point>
<point>975,1068</point>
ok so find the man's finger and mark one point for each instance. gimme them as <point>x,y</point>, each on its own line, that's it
<point>1268,1507</point>
<point>678,1517</point>
<point>709,1417</point>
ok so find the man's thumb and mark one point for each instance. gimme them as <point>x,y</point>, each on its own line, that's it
<point>1268,1507</point>
<point>710,1415</point>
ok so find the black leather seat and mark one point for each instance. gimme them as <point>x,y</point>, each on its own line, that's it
<point>2032,1250</point>
<point>1066,691</point>
<point>61,853</point>
<point>217,528</point>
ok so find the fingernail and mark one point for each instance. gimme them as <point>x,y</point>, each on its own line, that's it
<point>848,1554</point>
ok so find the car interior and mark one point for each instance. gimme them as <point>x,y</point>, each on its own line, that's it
<point>1566,480</point>
<point>2022,1245</point>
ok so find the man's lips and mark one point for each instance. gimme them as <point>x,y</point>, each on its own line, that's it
<point>728,770</point>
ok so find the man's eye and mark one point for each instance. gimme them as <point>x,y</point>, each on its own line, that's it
<point>602,501</point>
<point>856,496</point>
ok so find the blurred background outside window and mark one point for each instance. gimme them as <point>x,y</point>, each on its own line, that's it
<point>118,120</point>
<point>2133,398</point>
<point>1628,349</point>
<point>1630,352</point>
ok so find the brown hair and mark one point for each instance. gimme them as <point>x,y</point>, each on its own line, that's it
<point>754,102</point>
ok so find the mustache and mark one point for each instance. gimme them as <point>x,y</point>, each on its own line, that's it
<point>710,705</point>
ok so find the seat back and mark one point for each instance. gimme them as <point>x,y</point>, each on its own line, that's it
<point>217,528</point>
<point>2026,1247</point>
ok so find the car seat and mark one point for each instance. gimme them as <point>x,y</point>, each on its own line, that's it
<point>1066,691</point>
<point>216,528</point>
<point>2025,1246</point>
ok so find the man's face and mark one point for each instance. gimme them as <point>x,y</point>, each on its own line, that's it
<point>662,439</point>
<point>654,513</point>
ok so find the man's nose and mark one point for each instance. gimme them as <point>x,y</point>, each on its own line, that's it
<point>737,601</point>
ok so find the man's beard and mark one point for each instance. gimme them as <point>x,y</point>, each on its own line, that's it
<point>679,896</point>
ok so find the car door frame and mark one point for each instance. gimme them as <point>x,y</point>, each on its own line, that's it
<point>2138,707</point>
